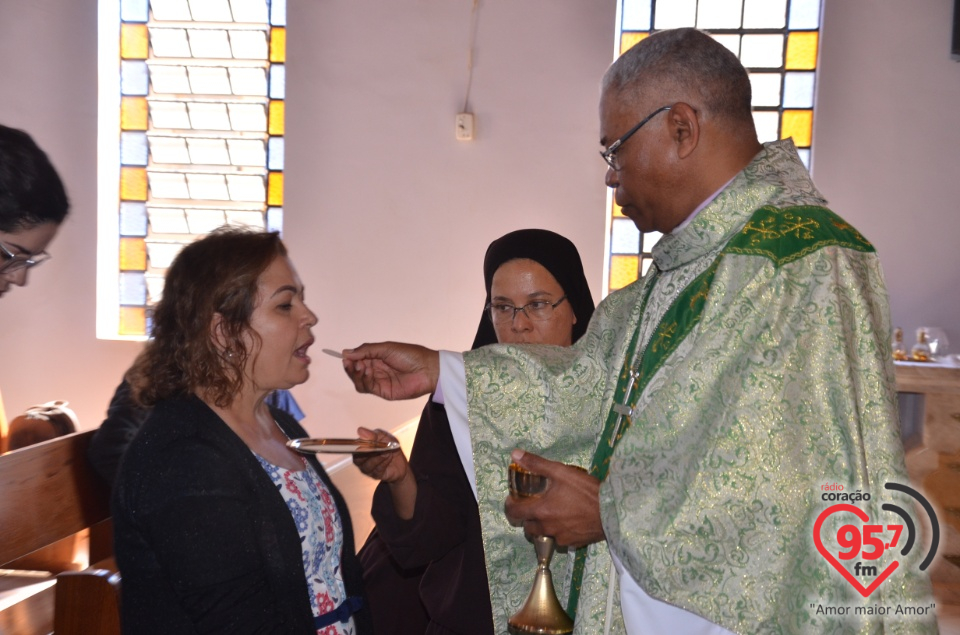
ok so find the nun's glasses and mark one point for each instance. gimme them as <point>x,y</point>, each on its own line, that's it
<point>539,310</point>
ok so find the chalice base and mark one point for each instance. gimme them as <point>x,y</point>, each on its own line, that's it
<point>541,613</point>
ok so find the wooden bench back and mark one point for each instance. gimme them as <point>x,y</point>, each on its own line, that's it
<point>50,492</point>
<point>87,602</point>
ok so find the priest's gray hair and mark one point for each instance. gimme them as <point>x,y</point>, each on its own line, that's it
<point>684,65</point>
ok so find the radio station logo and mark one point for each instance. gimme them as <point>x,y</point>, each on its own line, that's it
<point>861,543</point>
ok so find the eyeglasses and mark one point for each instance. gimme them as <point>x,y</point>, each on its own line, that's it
<point>539,310</point>
<point>15,262</point>
<point>610,154</point>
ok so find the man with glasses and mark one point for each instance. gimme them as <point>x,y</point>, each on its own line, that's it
<point>33,203</point>
<point>711,399</point>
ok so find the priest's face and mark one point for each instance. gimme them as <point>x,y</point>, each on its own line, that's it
<point>546,319</point>
<point>643,181</point>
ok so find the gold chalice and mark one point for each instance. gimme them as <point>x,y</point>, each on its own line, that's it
<point>541,613</point>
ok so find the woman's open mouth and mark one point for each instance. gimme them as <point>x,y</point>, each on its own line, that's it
<point>301,353</point>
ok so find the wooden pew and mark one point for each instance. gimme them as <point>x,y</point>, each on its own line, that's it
<point>50,497</point>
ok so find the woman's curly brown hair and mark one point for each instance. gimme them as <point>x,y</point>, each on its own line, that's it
<point>216,274</point>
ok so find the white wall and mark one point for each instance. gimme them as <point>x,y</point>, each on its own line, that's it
<point>48,86</point>
<point>389,216</point>
<point>887,139</point>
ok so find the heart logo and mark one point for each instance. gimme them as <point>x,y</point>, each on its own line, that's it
<point>829,557</point>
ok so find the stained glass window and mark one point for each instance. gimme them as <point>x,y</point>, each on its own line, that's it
<point>776,40</point>
<point>191,138</point>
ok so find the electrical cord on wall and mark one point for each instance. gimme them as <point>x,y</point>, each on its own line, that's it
<point>474,14</point>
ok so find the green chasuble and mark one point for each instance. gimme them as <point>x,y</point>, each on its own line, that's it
<point>765,372</point>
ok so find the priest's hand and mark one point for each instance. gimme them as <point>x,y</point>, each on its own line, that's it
<point>392,370</point>
<point>569,509</point>
<point>392,468</point>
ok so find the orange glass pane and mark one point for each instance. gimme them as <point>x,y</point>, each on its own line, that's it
<point>275,189</point>
<point>799,125</point>
<point>134,42</point>
<point>133,113</point>
<point>133,320</point>
<point>133,184</point>
<point>628,39</point>
<point>802,51</point>
<point>275,125</point>
<point>623,271</point>
<point>278,44</point>
<point>133,254</point>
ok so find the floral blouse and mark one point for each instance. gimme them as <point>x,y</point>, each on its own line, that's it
<point>321,536</point>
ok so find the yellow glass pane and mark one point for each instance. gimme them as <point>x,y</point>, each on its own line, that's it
<point>133,113</point>
<point>134,41</point>
<point>275,189</point>
<point>802,51</point>
<point>133,184</point>
<point>623,271</point>
<point>617,211</point>
<point>628,39</point>
<point>275,127</point>
<point>799,125</point>
<point>133,254</point>
<point>133,320</point>
<point>278,44</point>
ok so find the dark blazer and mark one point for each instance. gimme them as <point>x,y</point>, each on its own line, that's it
<point>110,441</point>
<point>204,541</point>
<point>428,574</point>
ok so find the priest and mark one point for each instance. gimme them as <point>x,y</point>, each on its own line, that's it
<point>709,401</point>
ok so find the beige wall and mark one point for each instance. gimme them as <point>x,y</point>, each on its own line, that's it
<point>388,216</point>
<point>48,86</point>
<point>887,138</point>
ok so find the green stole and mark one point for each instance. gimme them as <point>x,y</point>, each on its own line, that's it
<point>682,316</point>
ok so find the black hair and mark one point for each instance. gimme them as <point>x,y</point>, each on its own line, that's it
<point>31,192</point>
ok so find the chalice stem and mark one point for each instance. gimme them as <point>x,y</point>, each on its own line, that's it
<point>541,613</point>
